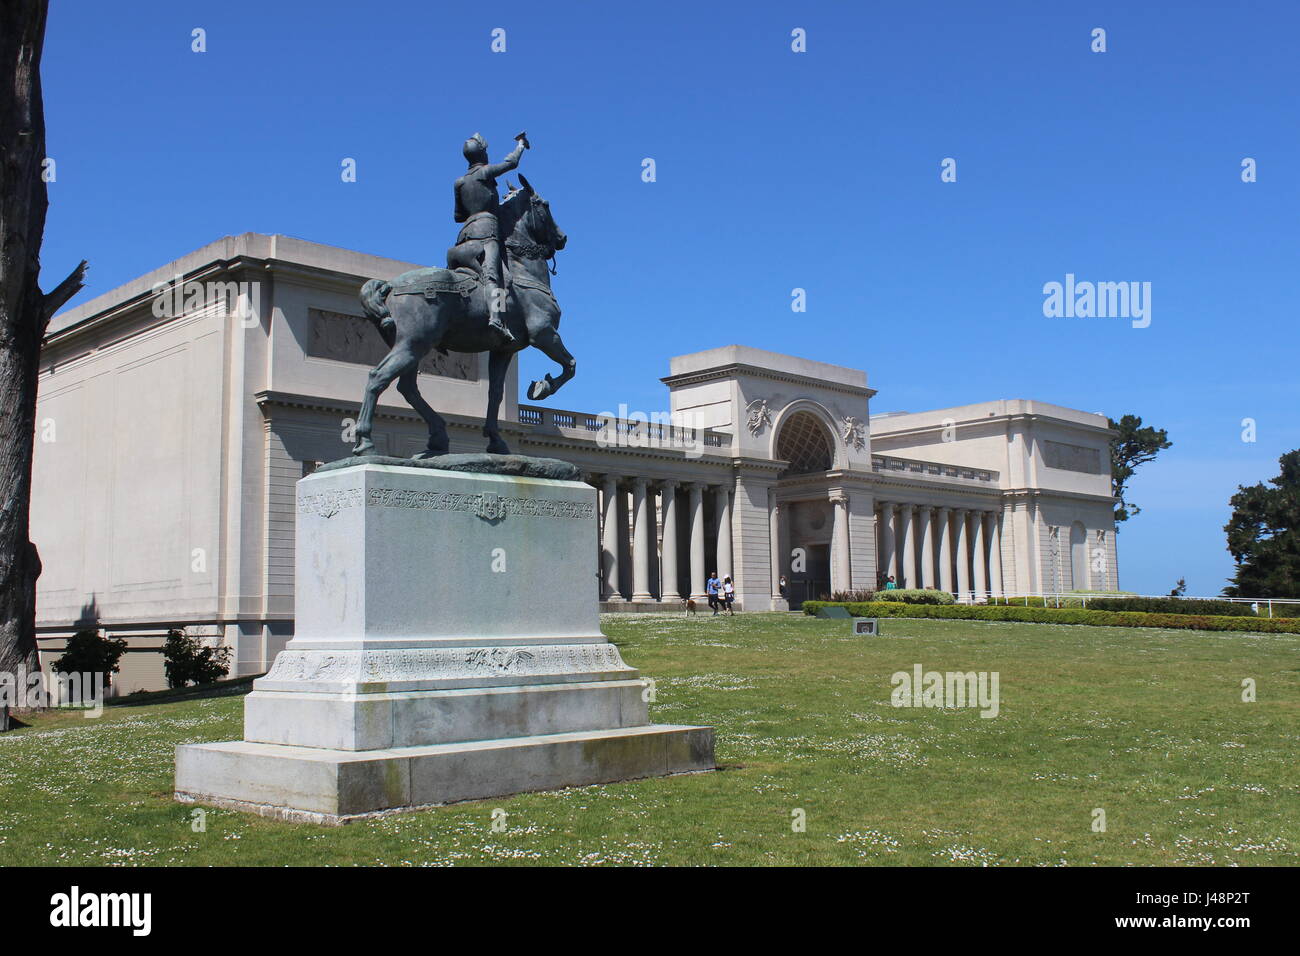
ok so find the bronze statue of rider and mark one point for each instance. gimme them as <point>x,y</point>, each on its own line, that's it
<point>477,204</point>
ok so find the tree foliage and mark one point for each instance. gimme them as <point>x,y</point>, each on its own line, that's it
<point>1135,445</point>
<point>1264,535</point>
<point>89,652</point>
<point>186,661</point>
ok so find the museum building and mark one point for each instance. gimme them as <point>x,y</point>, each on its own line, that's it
<point>177,412</point>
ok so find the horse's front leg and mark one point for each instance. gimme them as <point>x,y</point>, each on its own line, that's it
<point>552,346</point>
<point>498,364</point>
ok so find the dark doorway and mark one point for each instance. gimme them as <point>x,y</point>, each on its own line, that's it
<point>814,582</point>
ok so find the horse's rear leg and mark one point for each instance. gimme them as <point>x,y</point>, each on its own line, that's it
<point>407,385</point>
<point>381,376</point>
<point>552,346</point>
<point>498,365</point>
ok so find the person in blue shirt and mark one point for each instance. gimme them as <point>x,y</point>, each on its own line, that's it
<point>711,589</point>
<point>890,585</point>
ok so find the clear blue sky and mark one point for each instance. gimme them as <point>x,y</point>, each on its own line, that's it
<point>775,170</point>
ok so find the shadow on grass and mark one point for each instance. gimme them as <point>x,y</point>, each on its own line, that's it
<point>222,688</point>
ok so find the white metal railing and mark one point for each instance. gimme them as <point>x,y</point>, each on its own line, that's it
<point>1263,607</point>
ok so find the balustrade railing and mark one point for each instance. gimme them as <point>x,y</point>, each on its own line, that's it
<point>623,431</point>
<point>911,466</point>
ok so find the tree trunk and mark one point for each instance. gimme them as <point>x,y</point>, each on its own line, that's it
<point>24,314</point>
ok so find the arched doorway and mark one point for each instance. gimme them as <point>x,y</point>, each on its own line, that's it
<point>808,445</point>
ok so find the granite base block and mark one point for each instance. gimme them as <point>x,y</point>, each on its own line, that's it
<point>336,786</point>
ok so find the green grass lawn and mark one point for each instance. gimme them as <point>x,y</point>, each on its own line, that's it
<point>1147,725</point>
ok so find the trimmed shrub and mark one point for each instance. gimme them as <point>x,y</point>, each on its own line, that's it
<point>916,596</point>
<point>1173,605</point>
<point>89,652</point>
<point>1049,615</point>
<point>851,597</point>
<point>1165,605</point>
<point>186,660</point>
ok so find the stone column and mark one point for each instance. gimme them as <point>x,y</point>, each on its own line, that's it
<point>669,492</point>
<point>724,533</point>
<point>995,555</point>
<point>907,530</point>
<point>774,541</point>
<point>624,542</point>
<point>927,545</point>
<point>981,582</point>
<point>641,539</point>
<point>841,572</point>
<point>699,573</point>
<point>609,540</point>
<point>963,555</point>
<point>888,548</point>
<point>945,549</point>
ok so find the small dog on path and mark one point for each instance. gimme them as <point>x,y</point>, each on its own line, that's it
<point>690,607</point>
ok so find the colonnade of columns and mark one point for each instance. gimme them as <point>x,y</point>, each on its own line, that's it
<point>952,549</point>
<point>931,546</point>
<point>639,538</point>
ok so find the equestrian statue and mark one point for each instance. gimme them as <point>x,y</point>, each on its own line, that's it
<point>494,296</point>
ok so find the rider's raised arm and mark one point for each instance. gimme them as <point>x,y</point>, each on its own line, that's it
<point>510,162</point>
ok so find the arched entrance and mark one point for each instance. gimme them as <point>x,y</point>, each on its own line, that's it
<point>808,445</point>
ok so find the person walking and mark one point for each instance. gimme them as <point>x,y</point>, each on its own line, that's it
<point>711,588</point>
<point>728,595</point>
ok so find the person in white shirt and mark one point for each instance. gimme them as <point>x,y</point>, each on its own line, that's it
<point>728,595</point>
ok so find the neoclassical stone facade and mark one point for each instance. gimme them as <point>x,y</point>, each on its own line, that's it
<point>170,440</point>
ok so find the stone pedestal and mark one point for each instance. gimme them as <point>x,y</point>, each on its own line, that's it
<point>447,647</point>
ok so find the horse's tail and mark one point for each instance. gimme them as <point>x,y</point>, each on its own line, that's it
<point>373,294</point>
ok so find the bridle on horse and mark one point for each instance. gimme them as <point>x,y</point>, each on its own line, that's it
<point>527,249</point>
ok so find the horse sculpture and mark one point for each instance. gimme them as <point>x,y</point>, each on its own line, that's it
<point>447,309</point>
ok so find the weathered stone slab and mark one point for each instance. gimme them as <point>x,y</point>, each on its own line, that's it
<point>384,721</point>
<point>331,786</point>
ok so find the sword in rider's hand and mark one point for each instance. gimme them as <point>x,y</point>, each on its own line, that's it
<point>523,138</point>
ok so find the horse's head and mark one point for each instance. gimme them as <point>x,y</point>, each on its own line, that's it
<point>532,213</point>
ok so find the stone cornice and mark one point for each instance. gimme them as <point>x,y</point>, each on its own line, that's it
<point>315,276</point>
<point>741,368</point>
<point>773,467</point>
<point>903,493</point>
<point>128,306</point>
<point>267,398</point>
<point>1053,493</point>
<point>1007,419</point>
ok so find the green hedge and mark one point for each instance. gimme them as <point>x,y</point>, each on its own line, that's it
<point>915,596</point>
<point>1172,605</point>
<point>1154,605</point>
<point>1047,615</point>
